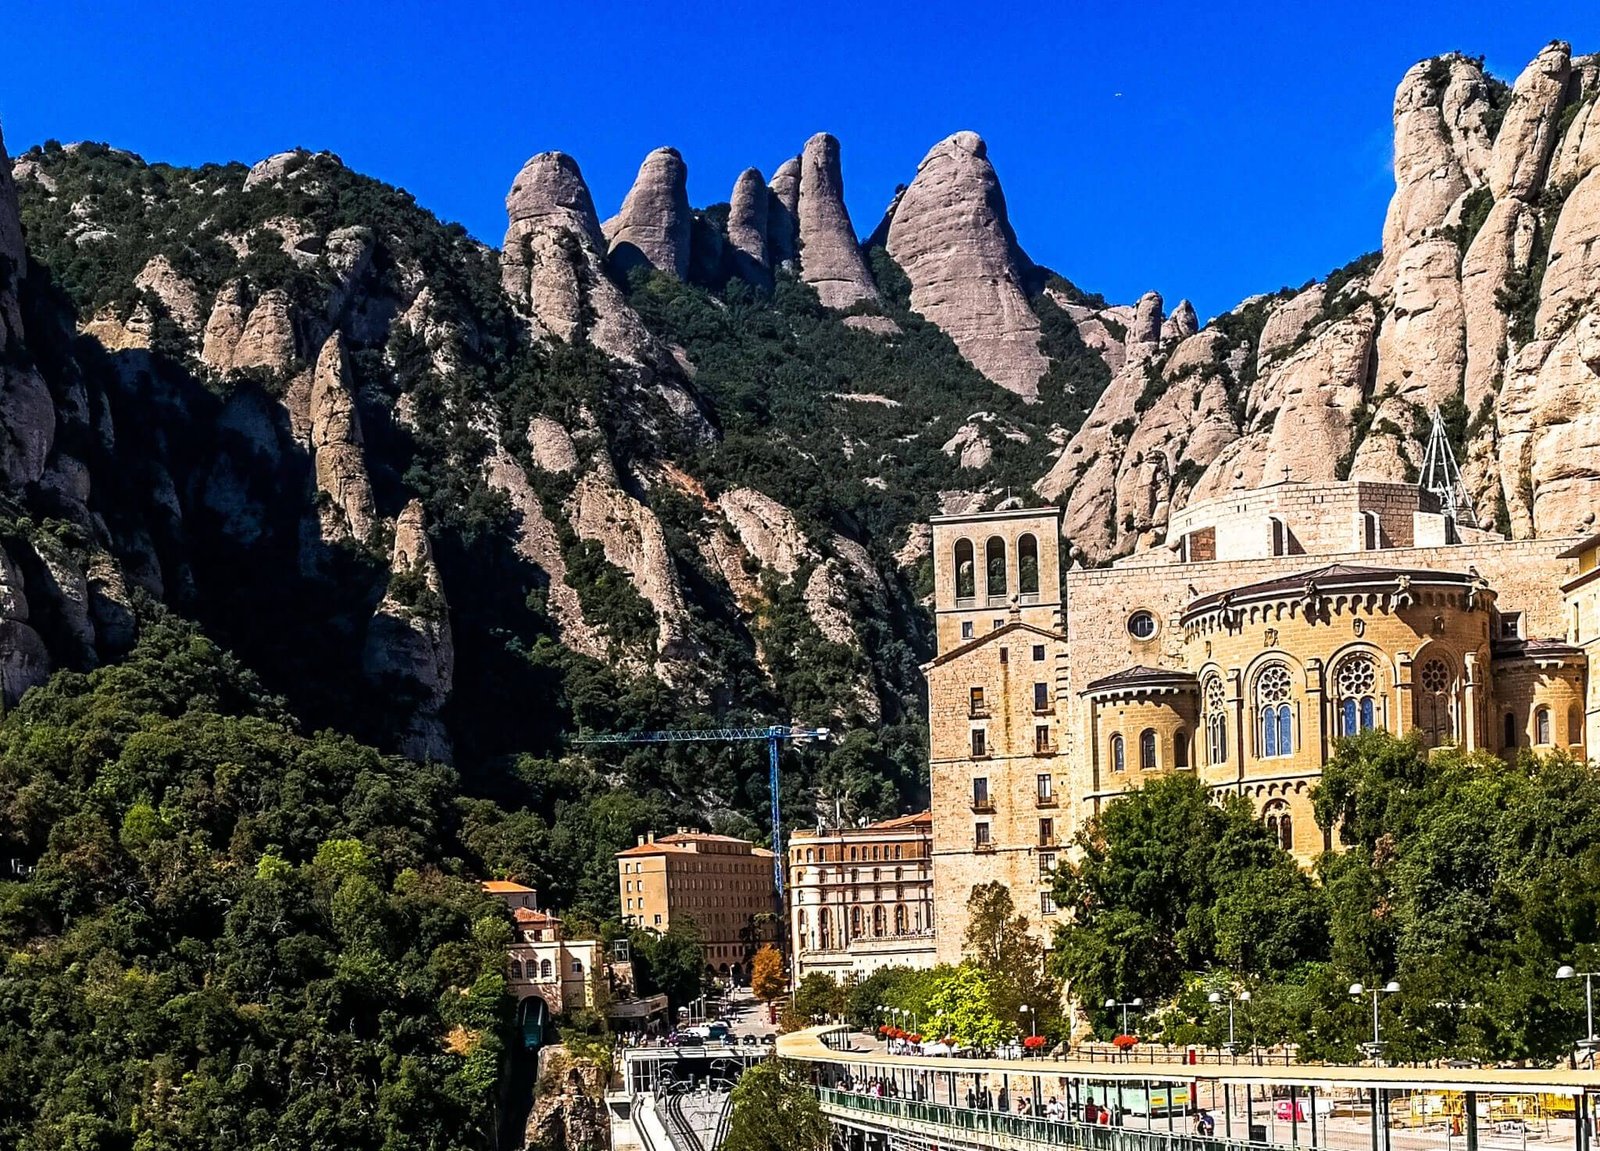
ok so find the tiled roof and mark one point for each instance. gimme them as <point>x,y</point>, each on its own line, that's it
<point>1140,674</point>
<point>1327,578</point>
<point>900,822</point>
<point>504,887</point>
<point>531,917</point>
<point>1533,649</point>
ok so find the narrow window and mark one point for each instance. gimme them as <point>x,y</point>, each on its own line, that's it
<point>1047,903</point>
<point>1280,540</point>
<point>1541,727</point>
<point>980,834</point>
<point>1047,866</point>
<point>1118,760</point>
<point>1286,832</point>
<point>975,699</point>
<point>966,629</point>
<point>1038,653</point>
<point>1041,697</point>
<point>1041,739</point>
<point>1574,726</point>
<point>1369,531</point>
<point>1047,833</point>
<point>1147,750</point>
<point>995,567</point>
<point>966,571</point>
<point>1028,565</point>
<point>980,792</point>
<point>980,743</point>
<point>1180,750</point>
<point>1511,731</point>
<point>1044,784</point>
<point>516,969</point>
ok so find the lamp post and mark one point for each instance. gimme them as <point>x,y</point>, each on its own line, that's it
<point>1124,1004</point>
<point>1357,990</point>
<point>1242,997</point>
<point>1033,1019</point>
<point>1565,971</point>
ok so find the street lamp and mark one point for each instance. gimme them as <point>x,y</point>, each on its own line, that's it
<point>1357,990</point>
<point>1565,971</point>
<point>1033,1019</point>
<point>1124,1004</point>
<point>1242,997</point>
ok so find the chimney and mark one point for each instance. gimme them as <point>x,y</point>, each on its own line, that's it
<point>641,841</point>
<point>649,837</point>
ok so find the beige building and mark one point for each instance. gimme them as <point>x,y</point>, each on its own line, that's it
<point>1583,627</point>
<point>724,885</point>
<point>861,898</point>
<point>542,963</point>
<point>1275,621</point>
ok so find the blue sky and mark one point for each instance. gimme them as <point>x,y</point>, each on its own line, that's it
<point>1208,150</point>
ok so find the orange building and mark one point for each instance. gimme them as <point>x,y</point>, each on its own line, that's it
<point>720,883</point>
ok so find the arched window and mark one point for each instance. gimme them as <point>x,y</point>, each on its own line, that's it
<point>546,969</point>
<point>1280,823</point>
<point>1118,759</point>
<point>1028,565</point>
<point>1435,702</point>
<point>1574,725</point>
<point>577,967</point>
<point>966,571</point>
<point>808,855</point>
<point>1216,722</point>
<point>1355,681</point>
<point>877,921</point>
<point>855,923</point>
<point>1274,716</point>
<point>1147,750</point>
<point>516,969</point>
<point>1541,727</point>
<point>1180,750</point>
<point>994,553</point>
<point>824,929</point>
<point>1511,731</point>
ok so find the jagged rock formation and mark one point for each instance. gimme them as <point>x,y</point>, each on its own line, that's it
<point>830,258</point>
<point>552,265</point>
<point>652,229</point>
<point>748,220</point>
<point>408,644</point>
<point>950,235</point>
<point>783,213</point>
<point>336,445</point>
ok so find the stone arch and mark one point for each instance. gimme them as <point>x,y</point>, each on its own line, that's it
<point>1437,676</point>
<point>1028,564</point>
<point>966,570</point>
<point>994,567</point>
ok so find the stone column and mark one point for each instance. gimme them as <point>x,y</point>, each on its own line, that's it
<point>1316,711</point>
<point>1402,695</point>
<point>1470,705</point>
<point>1235,680</point>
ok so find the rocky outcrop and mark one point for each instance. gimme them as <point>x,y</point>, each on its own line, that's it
<point>27,413</point>
<point>632,538</point>
<point>652,229</point>
<point>783,214</point>
<point>539,543</point>
<point>1301,416</point>
<point>1441,150</point>
<point>1502,248</point>
<point>263,337</point>
<point>1527,135</point>
<point>1181,324</point>
<point>950,235</point>
<point>552,267</point>
<point>1143,339</point>
<point>747,228</point>
<point>1286,323</point>
<point>1572,270</point>
<point>24,660</point>
<point>346,506</point>
<point>409,648</point>
<point>830,256</point>
<point>176,294</point>
<point>1578,151</point>
<point>568,1111</point>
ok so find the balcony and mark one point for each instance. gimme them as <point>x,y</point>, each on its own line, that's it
<point>984,848</point>
<point>1046,801</point>
<point>983,806</point>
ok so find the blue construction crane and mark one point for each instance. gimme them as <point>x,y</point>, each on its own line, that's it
<point>774,736</point>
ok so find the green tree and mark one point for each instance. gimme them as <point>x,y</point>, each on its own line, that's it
<point>774,1109</point>
<point>670,963</point>
<point>999,943</point>
<point>960,1008</point>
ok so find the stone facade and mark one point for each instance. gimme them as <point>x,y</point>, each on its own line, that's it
<point>1276,621</point>
<point>861,898</point>
<point>541,961</point>
<point>1583,625</point>
<point>724,885</point>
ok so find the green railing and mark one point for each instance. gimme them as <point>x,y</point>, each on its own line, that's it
<point>1045,1132</point>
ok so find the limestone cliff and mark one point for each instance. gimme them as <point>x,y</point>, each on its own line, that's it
<point>950,235</point>
<point>652,228</point>
<point>409,647</point>
<point>830,257</point>
<point>336,445</point>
